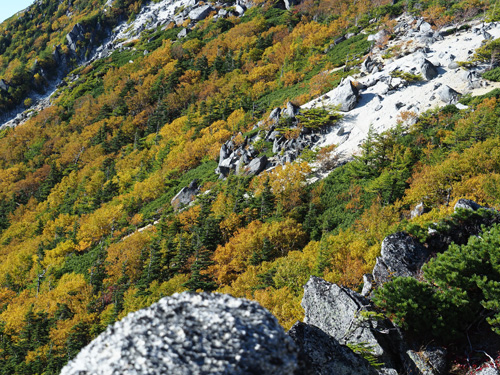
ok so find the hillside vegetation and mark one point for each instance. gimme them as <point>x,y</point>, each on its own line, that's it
<point>88,233</point>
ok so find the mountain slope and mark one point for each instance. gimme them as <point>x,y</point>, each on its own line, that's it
<point>88,231</point>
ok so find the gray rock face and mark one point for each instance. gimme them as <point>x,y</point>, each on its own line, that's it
<point>3,85</point>
<point>345,95</point>
<point>200,13</point>
<point>185,196</point>
<point>428,70</point>
<point>337,311</point>
<point>240,9</point>
<point>182,33</point>
<point>467,204</point>
<point>291,110</point>
<point>417,211</point>
<point>191,334</point>
<point>448,95</point>
<point>274,116</point>
<point>324,354</point>
<point>256,166</point>
<point>345,315</point>
<point>401,255</point>
<point>425,27</point>
<point>74,36</point>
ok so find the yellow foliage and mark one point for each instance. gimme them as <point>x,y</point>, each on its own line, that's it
<point>55,257</point>
<point>263,73</point>
<point>282,303</point>
<point>100,223</point>
<point>126,254</point>
<point>287,183</point>
<point>234,257</point>
<point>133,302</point>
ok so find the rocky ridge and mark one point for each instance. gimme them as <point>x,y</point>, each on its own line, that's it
<point>104,42</point>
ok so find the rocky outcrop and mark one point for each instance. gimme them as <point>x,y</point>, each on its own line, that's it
<point>324,355</point>
<point>191,334</point>
<point>185,196</point>
<point>77,34</point>
<point>345,315</point>
<point>245,159</point>
<point>428,70</point>
<point>401,255</point>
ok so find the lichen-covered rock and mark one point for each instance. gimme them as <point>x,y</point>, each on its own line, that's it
<point>324,355</point>
<point>191,334</point>
<point>401,255</point>
<point>351,320</point>
<point>430,361</point>
<point>338,311</point>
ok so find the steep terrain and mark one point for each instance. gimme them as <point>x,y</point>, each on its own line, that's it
<point>204,147</point>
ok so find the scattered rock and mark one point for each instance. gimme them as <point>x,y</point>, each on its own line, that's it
<point>417,211</point>
<point>191,334</point>
<point>183,33</point>
<point>401,255</point>
<point>378,37</point>
<point>467,204</point>
<point>185,196</point>
<point>448,95</point>
<point>274,116</point>
<point>324,354</point>
<point>428,70</point>
<point>200,13</point>
<point>240,9</point>
<point>345,96</point>
<point>291,110</point>
<point>425,27</point>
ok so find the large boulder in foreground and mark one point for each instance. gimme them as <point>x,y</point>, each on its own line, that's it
<point>191,334</point>
<point>401,255</point>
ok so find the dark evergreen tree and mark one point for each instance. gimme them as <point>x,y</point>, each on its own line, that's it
<point>267,201</point>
